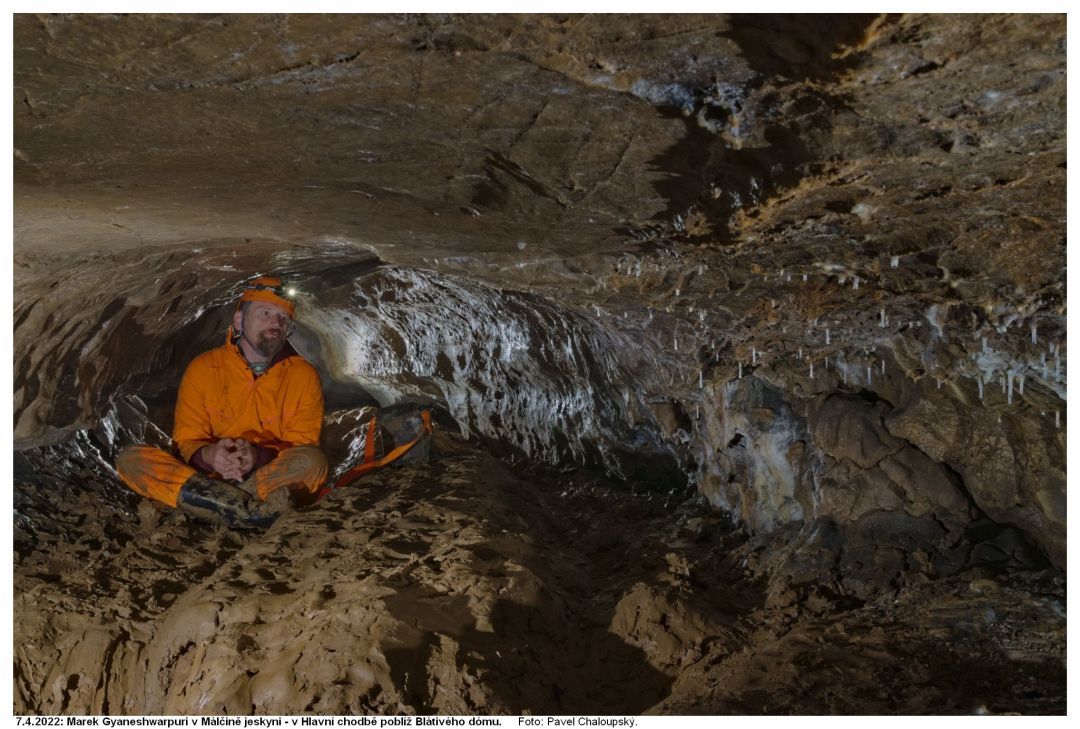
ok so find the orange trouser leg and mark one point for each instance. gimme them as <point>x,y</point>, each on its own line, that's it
<point>153,472</point>
<point>303,466</point>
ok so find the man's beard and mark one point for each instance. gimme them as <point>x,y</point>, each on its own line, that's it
<point>269,345</point>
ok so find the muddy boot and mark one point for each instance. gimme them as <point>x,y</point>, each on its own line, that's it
<point>277,503</point>
<point>150,513</point>
<point>221,503</point>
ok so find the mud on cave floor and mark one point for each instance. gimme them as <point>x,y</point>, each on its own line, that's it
<point>463,586</point>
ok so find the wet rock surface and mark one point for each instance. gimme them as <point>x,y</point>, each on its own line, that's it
<point>745,337</point>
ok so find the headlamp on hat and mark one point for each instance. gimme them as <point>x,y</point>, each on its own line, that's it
<point>270,289</point>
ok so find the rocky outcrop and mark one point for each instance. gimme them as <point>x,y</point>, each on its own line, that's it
<point>1006,466</point>
<point>870,469</point>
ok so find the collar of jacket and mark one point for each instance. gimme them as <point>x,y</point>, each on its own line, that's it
<point>231,343</point>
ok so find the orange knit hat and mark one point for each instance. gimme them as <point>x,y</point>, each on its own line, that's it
<point>271,289</point>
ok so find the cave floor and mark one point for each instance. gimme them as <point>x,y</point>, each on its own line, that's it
<point>465,586</point>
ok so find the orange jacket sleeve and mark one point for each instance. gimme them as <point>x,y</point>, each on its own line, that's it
<point>303,427</point>
<point>191,422</point>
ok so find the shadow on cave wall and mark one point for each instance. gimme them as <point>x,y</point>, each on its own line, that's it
<point>799,47</point>
<point>705,172</point>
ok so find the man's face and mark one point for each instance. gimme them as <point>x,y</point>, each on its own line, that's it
<point>265,326</point>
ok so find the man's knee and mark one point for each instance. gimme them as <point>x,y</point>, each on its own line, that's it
<point>125,460</point>
<point>300,466</point>
<point>310,459</point>
<point>152,472</point>
<point>133,460</point>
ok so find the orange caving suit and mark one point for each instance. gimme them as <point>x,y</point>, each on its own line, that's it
<point>280,412</point>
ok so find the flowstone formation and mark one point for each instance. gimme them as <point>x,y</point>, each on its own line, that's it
<point>746,339</point>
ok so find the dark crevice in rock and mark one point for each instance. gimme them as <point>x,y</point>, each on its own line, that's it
<point>797,46</point>
<point>707,176</point>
